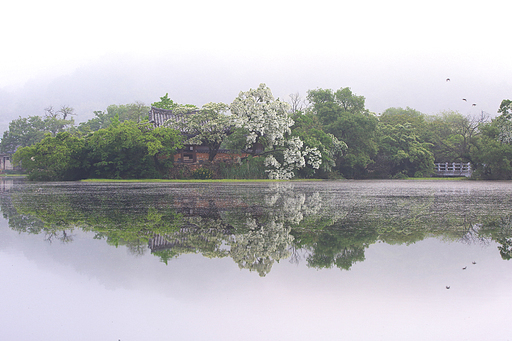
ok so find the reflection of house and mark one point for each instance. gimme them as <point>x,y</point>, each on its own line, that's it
<point>197,205</point>
<point>191,153</point>
<point>190,237</point>
<point>6,185</point>
<point>5,162</point>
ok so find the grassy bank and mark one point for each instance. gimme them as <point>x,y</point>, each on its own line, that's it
<point>179,180</point>
<point>446,178</point>
<point>253,180</point>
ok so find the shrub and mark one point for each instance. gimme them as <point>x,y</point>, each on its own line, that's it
<point>250,168</point>
<point>202,174</point>
<point>400,175</point>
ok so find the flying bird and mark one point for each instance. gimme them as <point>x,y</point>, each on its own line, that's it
<point>447,287</point>
<point>474,104</point>
<point>474,262</point>
<point>447,79</point>
<point>465,100</point>
<point>464,268</point>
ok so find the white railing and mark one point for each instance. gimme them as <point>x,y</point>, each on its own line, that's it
<point>453,169</point>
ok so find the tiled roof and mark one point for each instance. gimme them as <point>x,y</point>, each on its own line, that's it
<point>159,116</point>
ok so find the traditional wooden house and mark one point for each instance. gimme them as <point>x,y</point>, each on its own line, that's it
<point>191,153</point>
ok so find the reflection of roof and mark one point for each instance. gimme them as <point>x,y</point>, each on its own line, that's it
<point>183,237</point>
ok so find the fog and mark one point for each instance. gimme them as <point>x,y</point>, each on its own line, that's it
<point>395,54</point>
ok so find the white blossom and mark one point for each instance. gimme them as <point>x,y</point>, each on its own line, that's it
<point>263,116</point>
<point>505,132</point>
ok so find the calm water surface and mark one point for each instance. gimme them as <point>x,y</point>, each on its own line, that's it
<point>347,260</point>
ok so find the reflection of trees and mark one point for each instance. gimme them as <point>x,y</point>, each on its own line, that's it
<point>202,235</point>
<point>404,220</point>
<point>332,250</point>
<point>267,238</point>
<point>290,205</point>
<point>255,231</point>
<point>504,237</point>
<point>28,222</point>
<point>499,229</point>
<point>470,234</point>
<point>255,225</point>
<point>56,212</point>
<point>258,248</point>
<point>338,245</point>
<point>505,248</point>
<point>62,235</point>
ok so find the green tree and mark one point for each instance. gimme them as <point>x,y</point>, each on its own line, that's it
<point>130,150</point>
<point>328,104</point>
<point>209,126</point>
<point>162,145</point>
<point>413,118</point>
<point>504,122</point>
<point>165,103</point>
<point>30,130</point>
<point>133,111</point>
<point>23,132</point>
<point>100,121</point>
<point>506,108</point>
<point>136,112</point>
<point>123,150</point>
<point>343,114</point>
<point>401,153</point>
<point>492,153</point>
<point>56,121</point>
<point>57,157</point>
<point>308,128</point>
<point>453,135</point>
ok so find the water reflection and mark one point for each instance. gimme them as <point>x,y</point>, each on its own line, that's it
<point>324,224</point>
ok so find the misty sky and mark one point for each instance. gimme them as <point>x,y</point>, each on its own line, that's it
<point>89,55</point>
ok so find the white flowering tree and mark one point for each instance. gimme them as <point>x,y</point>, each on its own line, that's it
<point>267,124</point>
<point>504,121</point>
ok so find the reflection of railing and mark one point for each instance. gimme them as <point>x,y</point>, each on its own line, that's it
<point>453,168</point>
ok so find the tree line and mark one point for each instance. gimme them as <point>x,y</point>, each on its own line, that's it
<point>329,134</point>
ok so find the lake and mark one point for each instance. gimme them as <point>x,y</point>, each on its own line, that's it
<point>319,260</point>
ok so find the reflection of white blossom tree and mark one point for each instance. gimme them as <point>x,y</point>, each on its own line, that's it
<point>268,124</point>
<point>293,205</point>
<point>261,246</point>
<point>268,239</point>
